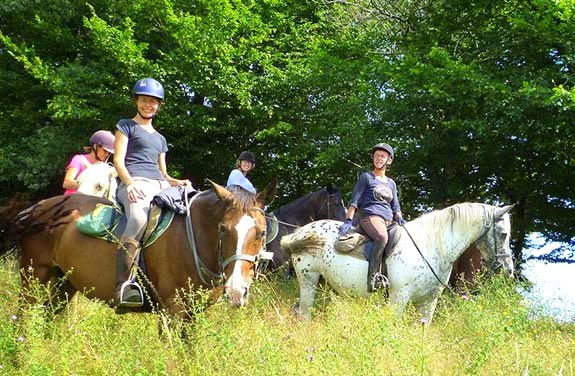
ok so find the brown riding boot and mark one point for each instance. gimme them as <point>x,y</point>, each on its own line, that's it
<point>377,269</point>
<point>128,292</point>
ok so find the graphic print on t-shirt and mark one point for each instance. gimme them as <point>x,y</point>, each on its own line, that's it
<point>382,193</point>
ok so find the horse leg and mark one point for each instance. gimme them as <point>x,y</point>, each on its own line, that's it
<point>398,301</point>
<point>308,282</point>
<point>427,309</point>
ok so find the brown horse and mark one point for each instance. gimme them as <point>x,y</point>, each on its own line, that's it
<point>466,268</point>
<point>217,247</point>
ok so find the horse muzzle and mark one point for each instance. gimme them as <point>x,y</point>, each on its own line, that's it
<point>237,291</point>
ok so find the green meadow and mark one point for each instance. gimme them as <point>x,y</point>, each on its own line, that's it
<point>490,331</point>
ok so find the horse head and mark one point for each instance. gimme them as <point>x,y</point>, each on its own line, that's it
<point>99,180</point>
<point>332,206</point>
<point>241,238</point>
<point>494,244</point>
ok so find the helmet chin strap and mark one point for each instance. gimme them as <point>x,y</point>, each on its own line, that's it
<point>145,117</point>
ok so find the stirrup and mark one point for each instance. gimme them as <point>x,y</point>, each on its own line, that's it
<point>379,281</point>
<point>133,287</point>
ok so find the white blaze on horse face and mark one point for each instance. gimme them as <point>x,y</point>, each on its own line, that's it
<point>236,286</point>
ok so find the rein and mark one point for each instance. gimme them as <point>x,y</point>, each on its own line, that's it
<point>427,262</point>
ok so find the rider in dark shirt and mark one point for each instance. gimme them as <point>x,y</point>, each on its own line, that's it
<point>376,195</point>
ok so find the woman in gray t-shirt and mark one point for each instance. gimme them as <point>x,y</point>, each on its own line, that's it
<point>140,159</point>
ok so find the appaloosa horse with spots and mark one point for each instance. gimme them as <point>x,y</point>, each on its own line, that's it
<point>420,263</point>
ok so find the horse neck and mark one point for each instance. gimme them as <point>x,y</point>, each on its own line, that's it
<point>207,212</point>
<point>301,211</point>
<point>458,231</point>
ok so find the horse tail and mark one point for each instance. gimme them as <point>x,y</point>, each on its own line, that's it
<point>300,241</point>
<point>8,214</point>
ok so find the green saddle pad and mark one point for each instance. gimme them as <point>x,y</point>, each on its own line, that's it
<point>106,221</point>
<point>100,222</point>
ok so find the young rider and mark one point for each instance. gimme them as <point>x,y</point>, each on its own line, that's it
<point>376,195</point>
<point>101,145</point>
<point>140,159</point>
<point>245,163</point>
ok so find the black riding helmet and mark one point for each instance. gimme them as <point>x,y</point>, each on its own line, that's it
<point>385,147</point>
<point>247,156</point>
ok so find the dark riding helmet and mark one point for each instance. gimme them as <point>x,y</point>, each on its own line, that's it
<point>148,87</point>
<point>247,156</point>
<point>103,138</point>
<point>385,147</point>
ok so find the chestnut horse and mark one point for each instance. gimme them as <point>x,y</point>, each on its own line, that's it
<point>327,203</point>
<point>218,243</point>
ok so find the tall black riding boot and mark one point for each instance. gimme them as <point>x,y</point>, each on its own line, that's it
<point>128,292</point>
<point>377,270</point>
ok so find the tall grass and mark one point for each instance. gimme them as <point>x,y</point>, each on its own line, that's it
<point>491,333</point>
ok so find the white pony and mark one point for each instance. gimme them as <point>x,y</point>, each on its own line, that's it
<point>99,180</point>
<point>419,265</point>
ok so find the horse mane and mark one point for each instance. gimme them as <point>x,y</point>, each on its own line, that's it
<point>242,198</point>
<point>442,217</point>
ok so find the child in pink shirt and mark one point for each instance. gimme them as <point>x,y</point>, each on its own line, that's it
<point>101,146</point>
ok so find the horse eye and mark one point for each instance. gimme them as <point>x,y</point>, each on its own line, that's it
<point>261,234</point>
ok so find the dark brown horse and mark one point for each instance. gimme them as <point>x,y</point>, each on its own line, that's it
<point>466,268</point>
<point>327,203</point>
<point>228,238</point>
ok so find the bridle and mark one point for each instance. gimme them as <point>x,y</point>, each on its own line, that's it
<point>204,270</point>
<point>489,223</point>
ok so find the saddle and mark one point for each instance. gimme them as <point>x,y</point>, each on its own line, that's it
<point>360,246</point>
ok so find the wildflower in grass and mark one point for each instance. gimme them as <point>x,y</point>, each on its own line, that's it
<point>20,339</point>
<point>424,321</point>
<point>465,297</point>
<point>309,357</point>
<point>13,317</point>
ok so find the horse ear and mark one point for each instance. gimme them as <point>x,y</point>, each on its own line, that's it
<point>266,197</point>
<point>222,193</point>
<point>331,189</point>
<point>500,212</point>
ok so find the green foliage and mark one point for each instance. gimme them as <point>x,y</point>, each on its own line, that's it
<point>477,98</point>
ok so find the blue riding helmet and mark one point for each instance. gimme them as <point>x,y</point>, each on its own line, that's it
<point>385,147</point>
<point>149,87</point>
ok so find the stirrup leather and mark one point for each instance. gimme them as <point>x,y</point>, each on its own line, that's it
<point>379,281</point>
<point>135,287</point>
